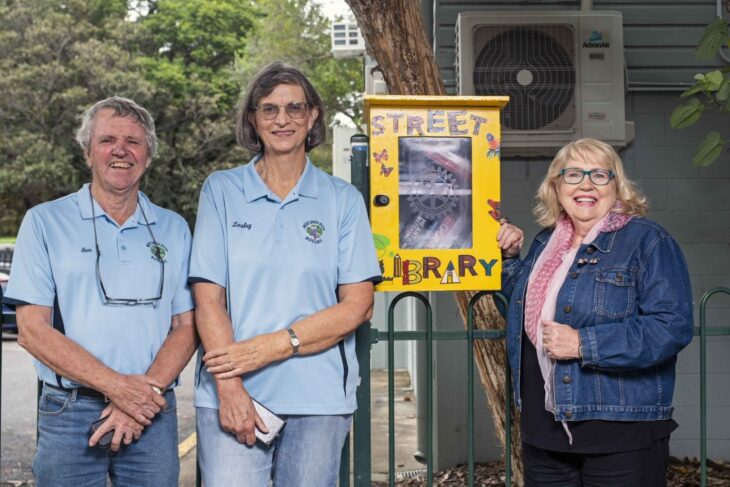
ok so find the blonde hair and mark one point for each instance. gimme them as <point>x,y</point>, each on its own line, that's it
<point>547,210</point>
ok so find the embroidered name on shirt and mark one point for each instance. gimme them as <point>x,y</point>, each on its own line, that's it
<point>84,250</point>
<point>314,231</point>
<point>244,225</point>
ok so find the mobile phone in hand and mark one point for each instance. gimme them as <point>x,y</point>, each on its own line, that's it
<point>273,423</point>
<point>106,440</point>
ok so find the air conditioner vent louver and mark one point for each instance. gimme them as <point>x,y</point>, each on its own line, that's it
<point>535,66</point>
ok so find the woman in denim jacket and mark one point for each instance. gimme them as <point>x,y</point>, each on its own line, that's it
<point>599,309</point>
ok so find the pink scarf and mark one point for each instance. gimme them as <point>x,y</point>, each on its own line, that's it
<point>557,247</point>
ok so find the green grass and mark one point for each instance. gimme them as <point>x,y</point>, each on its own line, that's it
<point>7,240</point>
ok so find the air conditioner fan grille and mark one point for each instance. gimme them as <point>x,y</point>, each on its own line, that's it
<point>535,67</point>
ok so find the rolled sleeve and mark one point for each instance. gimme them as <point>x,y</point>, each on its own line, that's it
<point>182,301</point>
<point>208,256</point>
<point>31,280</point>
<point>356,261</point>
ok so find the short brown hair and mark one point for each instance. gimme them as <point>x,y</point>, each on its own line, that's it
<point>262,85</point>
<point>547,210</point>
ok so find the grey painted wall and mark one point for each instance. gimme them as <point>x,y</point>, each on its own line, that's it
<point>659,35</point>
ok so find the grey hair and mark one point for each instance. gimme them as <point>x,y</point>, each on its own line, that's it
<point>123,107</point>
<point>262,85</point>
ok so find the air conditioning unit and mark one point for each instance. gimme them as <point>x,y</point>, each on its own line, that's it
<point>563,71</point>
<point>347,41</point>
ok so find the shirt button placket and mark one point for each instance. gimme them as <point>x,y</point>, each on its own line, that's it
<point>278,226</point>
<point>122,247</point>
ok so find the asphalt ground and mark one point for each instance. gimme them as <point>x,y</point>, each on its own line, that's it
<point>18,421</point>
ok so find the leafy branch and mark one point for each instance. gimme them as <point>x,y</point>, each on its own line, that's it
<point>710,89</point>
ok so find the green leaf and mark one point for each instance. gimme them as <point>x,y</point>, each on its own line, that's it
<point>687,113</point>
<point>713,80</point>
<point>381,241</point>
<point>696,88</point>
<point>714,37</point>
<point>724,92</point>
<point>708,150</point>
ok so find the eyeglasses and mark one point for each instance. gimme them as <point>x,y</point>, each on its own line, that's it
<point>599,177</point>
<point>156,251</point>
<point>295,109</point>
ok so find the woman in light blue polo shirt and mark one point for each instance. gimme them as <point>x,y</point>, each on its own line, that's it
<point>283,266</point>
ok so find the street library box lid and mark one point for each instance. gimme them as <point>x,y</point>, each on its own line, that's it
<point>435,191</point>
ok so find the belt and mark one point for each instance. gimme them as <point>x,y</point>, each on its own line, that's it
<point>80,391</point>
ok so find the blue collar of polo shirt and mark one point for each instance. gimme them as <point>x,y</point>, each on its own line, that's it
<point>82,197</point>
<point>255,188</point>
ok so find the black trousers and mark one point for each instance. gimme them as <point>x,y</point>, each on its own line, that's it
<point>639,468</point>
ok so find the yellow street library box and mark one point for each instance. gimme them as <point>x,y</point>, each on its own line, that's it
<point>434,191</point>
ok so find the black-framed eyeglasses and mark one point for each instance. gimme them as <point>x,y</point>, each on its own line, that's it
<point>295,109</point>
<point>156,251</point>
<point>599,177</point>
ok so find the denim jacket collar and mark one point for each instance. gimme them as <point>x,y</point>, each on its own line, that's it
<point>603,242</point>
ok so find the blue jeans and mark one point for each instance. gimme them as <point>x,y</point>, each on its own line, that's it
<point>307,454</point>
<point>64,458</point>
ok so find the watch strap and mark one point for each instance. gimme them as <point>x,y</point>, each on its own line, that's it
<point>294,340</point>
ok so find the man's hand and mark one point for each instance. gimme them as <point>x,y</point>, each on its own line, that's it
<point>561,342</point>
<point>125,428</point>
<point>134,395</point>
<point>236,412</point>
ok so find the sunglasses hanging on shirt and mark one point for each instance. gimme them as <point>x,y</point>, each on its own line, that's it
<point>155,251</point>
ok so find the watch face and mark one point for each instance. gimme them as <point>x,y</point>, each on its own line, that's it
<point>293,339</point>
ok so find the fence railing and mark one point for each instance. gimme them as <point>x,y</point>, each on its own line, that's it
<point>367,336</point>
<point>361,436</point>
<point>703,331</point>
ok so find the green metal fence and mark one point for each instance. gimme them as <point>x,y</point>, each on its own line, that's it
<point>703,331</point>
<point>367,336</point>
<point>429,335</point>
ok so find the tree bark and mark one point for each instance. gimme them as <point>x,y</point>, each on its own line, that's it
<point>394,33</point>
<point>395,36</point>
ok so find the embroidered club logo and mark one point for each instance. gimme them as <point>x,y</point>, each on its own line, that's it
<point>314,231</point>
<point>158,251</point>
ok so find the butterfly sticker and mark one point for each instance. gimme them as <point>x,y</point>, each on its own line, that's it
<point>493,143</point>
<point>380,159</point>
<point>495,212</point>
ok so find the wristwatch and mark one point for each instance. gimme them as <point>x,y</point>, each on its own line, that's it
<point>294,340</point>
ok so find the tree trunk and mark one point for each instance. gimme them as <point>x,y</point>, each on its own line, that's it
<point>396,39</point>
<point>393,31</point>
<point>492,364</point>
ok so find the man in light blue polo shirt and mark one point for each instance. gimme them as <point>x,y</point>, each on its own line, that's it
<point>99,278</point>
<point>283,265</point>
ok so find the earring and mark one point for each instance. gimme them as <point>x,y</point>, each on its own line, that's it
<point>309,139</point>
